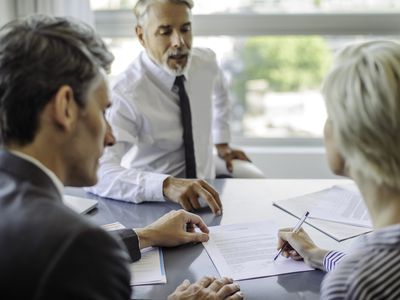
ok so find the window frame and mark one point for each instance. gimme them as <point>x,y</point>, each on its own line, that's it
<point>121,24</point>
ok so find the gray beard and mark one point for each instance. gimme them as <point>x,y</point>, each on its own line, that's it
<point>166,68</point>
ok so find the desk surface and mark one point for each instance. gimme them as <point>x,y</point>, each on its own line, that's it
<point>244,200</point>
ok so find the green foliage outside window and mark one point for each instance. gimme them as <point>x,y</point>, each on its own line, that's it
<point>285,63</point>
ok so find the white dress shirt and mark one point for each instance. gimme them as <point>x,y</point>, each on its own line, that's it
<point>146,120</point>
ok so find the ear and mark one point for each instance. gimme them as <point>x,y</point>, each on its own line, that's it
<point>336,160</point>
<point>65,109</point>
<point>140,34</point>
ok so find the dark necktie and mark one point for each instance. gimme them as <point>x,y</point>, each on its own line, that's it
<point>187,127</point>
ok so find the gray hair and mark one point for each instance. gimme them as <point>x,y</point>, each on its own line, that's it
<point>38,55</point>
<point>142,6</point>
<point>362,94</point>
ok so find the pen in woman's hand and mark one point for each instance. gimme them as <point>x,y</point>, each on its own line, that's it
<point>295,230</point>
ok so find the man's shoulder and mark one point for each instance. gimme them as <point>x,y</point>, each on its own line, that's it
<point>46,240</point>
<point>130,78</point>
<point>205,59</point>
<point>203,54</point>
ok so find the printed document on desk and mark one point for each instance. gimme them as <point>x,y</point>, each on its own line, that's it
<point>245,251</point>
<point>338,211</point>
<point>150,268</point>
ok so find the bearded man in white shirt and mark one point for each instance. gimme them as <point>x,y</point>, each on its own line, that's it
<point>151,161</point>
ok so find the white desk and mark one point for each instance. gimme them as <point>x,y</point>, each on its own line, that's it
<point>244,200</point>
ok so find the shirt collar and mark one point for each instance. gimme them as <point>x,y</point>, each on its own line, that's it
<point>158,72</point>
<point>53,177</point>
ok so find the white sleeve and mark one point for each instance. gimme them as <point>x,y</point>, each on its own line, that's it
<point>115,181</point>
<point>221,111</point>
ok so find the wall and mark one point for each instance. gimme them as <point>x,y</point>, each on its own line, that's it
<point>290,162</point>
<point>7,11</point>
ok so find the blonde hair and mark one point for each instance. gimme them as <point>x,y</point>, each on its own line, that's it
<point>362,95</point>
<point>142,6</point>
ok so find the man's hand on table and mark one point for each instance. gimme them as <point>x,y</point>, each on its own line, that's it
<point>186,192</point>
<point>173,229</point>
<point>228,154</point>
<point>209,288</point>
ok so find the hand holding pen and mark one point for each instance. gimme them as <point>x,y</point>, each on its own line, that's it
<point>295,230</point>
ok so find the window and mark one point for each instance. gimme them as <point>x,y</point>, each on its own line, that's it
<point>267,6</point>
<point>274,53</point>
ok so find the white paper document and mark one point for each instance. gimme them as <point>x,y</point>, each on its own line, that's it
<point>341,205</point>
<point>338,211</point>
<point>113,226</point>
<point>150,268</point>
<point>244,251</point>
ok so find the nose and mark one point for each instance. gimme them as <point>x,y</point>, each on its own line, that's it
<point>177,40</point>
<point>109,138</point>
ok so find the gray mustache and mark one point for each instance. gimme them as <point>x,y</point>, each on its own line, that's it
<point>175,53</point>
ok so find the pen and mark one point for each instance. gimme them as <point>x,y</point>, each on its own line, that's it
<point>295,230</point>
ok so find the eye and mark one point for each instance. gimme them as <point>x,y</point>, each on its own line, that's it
<point>165,32</point>
<point>186,28</point>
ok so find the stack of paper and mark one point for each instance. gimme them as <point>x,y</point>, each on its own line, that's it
<point>341,205</point>
<point>150,268</point>
<point>339,212</point>
<point>244,251</point>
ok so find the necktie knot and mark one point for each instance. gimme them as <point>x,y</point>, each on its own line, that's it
<point>179,82</point>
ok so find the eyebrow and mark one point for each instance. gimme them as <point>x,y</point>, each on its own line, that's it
<point>169,26</point>
<point>164,27</point>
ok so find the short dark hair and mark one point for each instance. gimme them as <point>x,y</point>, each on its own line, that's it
<point>38,55</point>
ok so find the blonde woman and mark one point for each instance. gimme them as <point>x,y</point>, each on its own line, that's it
<point>362,140</point>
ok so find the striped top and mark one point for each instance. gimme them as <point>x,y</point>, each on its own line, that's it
<point>371,271</point>
<point>332,259</point>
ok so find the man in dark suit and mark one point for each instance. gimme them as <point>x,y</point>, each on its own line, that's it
<point>53,95</point>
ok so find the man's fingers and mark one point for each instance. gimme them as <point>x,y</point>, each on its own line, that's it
<point>237,296</point>
<point>229,164</point>
<point>196,220</point>
<point>190,227</point>
<point>205,281</point>
<point>194,201</point>
<point>228,290</point>
<point>240,155</point>
<point>245,157</point>
<point>183,286</point>
<point>198,237</point>
<point>213,192</point>
<point>216,285</point>
<point>185,203</point>
<point>236,154</point>
<point>212,202</point>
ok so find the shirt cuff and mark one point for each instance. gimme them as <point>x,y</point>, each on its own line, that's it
<point>154,187</point>
<point>131,241</point>
<point>221,137</point>
<point>331,259</point>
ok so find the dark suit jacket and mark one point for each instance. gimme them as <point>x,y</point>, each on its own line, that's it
<point>46,250</point>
